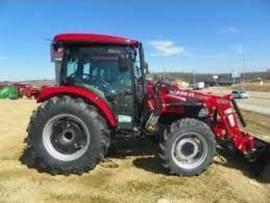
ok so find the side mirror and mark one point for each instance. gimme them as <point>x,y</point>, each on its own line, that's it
<point>125,63</point>
<point>57,53</point>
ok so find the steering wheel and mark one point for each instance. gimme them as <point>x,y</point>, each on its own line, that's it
<point>103,85</point>
<point>123,84</point>
<point>87,77</point>
<point>82,77</point>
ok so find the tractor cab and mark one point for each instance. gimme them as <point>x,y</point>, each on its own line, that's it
<point>113,68</point>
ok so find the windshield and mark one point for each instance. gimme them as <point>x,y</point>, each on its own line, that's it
<point>98,68</point>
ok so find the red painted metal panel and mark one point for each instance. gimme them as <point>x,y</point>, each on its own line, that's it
<point>226,124</point>
<point>51,91</point>
<point>93,38</point>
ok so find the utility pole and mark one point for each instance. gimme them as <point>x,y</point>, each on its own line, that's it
<point>244,71</point>
<point>164,73</point>
<point>194,77</point>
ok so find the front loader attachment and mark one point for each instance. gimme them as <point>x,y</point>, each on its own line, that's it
<point>230,127</point>
<point>262,158</point>
<point>262,147</point>
<point>260,154</point>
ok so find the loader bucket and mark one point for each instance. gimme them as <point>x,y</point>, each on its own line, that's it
<point>263,158</point>
<point>265,174</point>
<point>261,155</point>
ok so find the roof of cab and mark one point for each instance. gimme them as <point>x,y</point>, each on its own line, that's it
<point>93,38</point>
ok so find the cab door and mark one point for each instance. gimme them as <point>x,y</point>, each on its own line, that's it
<point>123,99</point>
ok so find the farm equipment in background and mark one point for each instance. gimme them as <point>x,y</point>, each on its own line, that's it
<point>29,91</point>
<point>18,90</point>
<point>9,92</point>
<point>102,93</point>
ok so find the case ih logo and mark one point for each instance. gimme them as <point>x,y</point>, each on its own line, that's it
<point>223,101</point>
<point>181,93</point>
<point>187,94</point>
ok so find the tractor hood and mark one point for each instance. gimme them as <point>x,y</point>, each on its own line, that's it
<point>169,98</point>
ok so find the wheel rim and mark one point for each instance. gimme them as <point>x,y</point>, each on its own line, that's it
<point>189,150</point>
<point>66,137</point>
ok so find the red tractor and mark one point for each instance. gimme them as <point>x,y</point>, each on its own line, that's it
<point>102,92</point>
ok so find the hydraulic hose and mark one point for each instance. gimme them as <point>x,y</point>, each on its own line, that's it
<point>238,111</point>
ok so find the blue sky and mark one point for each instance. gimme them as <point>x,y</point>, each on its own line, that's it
<point>201,36</point>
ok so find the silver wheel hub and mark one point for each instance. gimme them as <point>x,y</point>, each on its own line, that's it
<point>66,137</point>
<point>189,150</point>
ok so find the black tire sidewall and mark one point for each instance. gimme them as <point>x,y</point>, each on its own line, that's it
<point>88,159</point>
<point>209,138</point>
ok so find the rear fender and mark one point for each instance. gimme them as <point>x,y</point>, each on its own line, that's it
<point>49,92</point>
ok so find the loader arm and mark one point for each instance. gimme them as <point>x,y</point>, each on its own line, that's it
<point>226,126</point>
<point>221,113</point>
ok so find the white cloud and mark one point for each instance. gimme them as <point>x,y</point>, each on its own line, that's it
<point>166,47</point>
<point>238,48</point>
<point>229,30</point>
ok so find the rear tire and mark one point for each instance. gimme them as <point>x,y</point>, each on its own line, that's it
<point>67,136</point>
<point>187,148</point>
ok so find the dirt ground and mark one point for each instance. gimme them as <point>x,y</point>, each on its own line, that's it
<point>125,176</point>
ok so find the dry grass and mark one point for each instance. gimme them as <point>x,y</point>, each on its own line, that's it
<point>258,124</point>
<point>125,177</point>
<point>254,86</point>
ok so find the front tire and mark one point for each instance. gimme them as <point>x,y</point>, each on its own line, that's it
<point>187,148</point>
<point>67,136</point>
